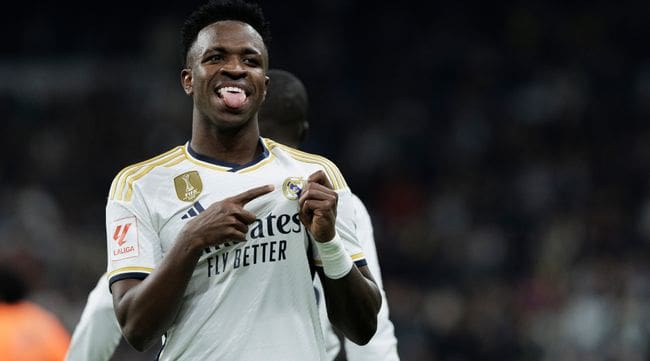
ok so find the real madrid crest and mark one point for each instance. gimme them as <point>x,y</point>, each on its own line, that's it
<point>292,187</point>
<point>188,186</point>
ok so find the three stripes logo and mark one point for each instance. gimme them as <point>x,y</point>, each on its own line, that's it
<point>193,211</point>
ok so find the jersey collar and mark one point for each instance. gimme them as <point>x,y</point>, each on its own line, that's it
<point>229,167</point>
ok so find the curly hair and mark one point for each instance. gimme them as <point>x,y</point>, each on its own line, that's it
<point>217,10</point>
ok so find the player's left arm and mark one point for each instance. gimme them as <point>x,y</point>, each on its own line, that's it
<point>352,297</point>
<point>383,345</point>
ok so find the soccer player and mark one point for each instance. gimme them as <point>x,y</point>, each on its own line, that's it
<point>283,118</point>
<point>211,243</point>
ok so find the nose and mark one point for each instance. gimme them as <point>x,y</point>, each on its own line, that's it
<point>233,68</point>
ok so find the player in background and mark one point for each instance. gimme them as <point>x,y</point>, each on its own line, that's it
<point>97,334</point>
<point>211,243</point>
<point>28,332</point>
<point>283,118</point>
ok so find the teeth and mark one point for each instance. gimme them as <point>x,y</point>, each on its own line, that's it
<point>230,89</point>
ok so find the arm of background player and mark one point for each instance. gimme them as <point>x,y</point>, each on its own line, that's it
<point>146,309</point>
<point>97,334</point>
<point>353,300</point>
<point>383,345</point>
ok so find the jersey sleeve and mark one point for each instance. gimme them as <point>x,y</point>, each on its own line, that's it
<point>97,334</point>
<point>133,245</point>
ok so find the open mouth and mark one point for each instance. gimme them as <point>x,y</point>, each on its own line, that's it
<point>233,97</point>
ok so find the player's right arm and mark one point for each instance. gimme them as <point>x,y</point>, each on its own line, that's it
<point>146,308</point>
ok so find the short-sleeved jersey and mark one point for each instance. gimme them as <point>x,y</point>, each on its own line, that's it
<point>252,300</point>
<point>97,334</point>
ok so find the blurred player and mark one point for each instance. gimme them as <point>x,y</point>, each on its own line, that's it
<point>210,244</point>
<point>283,118</point>
<point>27,331</point>
<point>97,334</point>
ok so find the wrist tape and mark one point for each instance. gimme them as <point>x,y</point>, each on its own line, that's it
<point>336,260</point>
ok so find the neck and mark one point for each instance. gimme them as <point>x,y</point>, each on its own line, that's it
<point>238,145</point>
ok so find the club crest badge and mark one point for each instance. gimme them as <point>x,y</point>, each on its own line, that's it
<point>188,186</point>
<point>292,187</point>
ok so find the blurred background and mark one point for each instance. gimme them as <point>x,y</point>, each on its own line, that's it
<point>502,150</point>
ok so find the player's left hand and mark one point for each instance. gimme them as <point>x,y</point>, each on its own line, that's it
<point>318,202</point>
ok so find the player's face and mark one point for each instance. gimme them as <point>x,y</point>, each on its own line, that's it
<point>226,74</point>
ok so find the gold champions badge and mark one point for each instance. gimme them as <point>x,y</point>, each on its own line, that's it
<point>292,187</point>
<point>188,186</point>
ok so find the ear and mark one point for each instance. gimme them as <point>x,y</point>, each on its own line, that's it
<point>267,81</point>
<point>186,80</point>
<point>303,128</point>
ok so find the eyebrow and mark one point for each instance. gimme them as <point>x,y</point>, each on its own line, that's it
<point>245,51</point>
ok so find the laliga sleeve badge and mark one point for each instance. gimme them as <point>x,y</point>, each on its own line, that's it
<point>188,186</point>
<point>292,187</point>
<point>124,242</point>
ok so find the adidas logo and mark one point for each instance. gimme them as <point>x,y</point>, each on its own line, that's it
<point>193,211</point>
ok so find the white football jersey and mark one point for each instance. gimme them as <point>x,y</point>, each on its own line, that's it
<point>97,334</point>
<point>383,345</point>
<point>252,300</point>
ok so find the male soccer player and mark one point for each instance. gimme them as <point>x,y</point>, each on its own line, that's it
<point>210,244</point>
<point>283,118</point>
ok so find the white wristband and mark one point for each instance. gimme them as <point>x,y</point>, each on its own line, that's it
<point>336,260</point>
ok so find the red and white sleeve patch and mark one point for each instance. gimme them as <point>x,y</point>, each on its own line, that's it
<point>124,239</point>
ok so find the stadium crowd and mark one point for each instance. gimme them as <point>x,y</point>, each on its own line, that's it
<point>502,150</point>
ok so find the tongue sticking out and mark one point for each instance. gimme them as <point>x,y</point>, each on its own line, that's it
<point>234,100</point>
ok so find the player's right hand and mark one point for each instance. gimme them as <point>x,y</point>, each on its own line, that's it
<point>224,221</point>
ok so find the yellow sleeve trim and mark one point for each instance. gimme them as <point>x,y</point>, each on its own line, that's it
<point>129,269</point>
<point>332,171</point>
<point>147,169</point>
<point>130,174</point>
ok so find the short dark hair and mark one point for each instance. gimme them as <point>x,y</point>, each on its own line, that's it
<point>12,285</point>
<point>283,115</point>
<point>217,10</point>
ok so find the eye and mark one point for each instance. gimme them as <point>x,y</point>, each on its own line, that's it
<point>251,61</point>
<point>214,58</point>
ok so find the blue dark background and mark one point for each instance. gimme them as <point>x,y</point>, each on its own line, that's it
<point>502,150</point>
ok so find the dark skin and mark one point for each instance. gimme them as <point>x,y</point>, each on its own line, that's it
<point>353,301</point>
<point>232,54</point>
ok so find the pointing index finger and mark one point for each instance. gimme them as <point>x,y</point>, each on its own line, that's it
<point>249,195</point>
